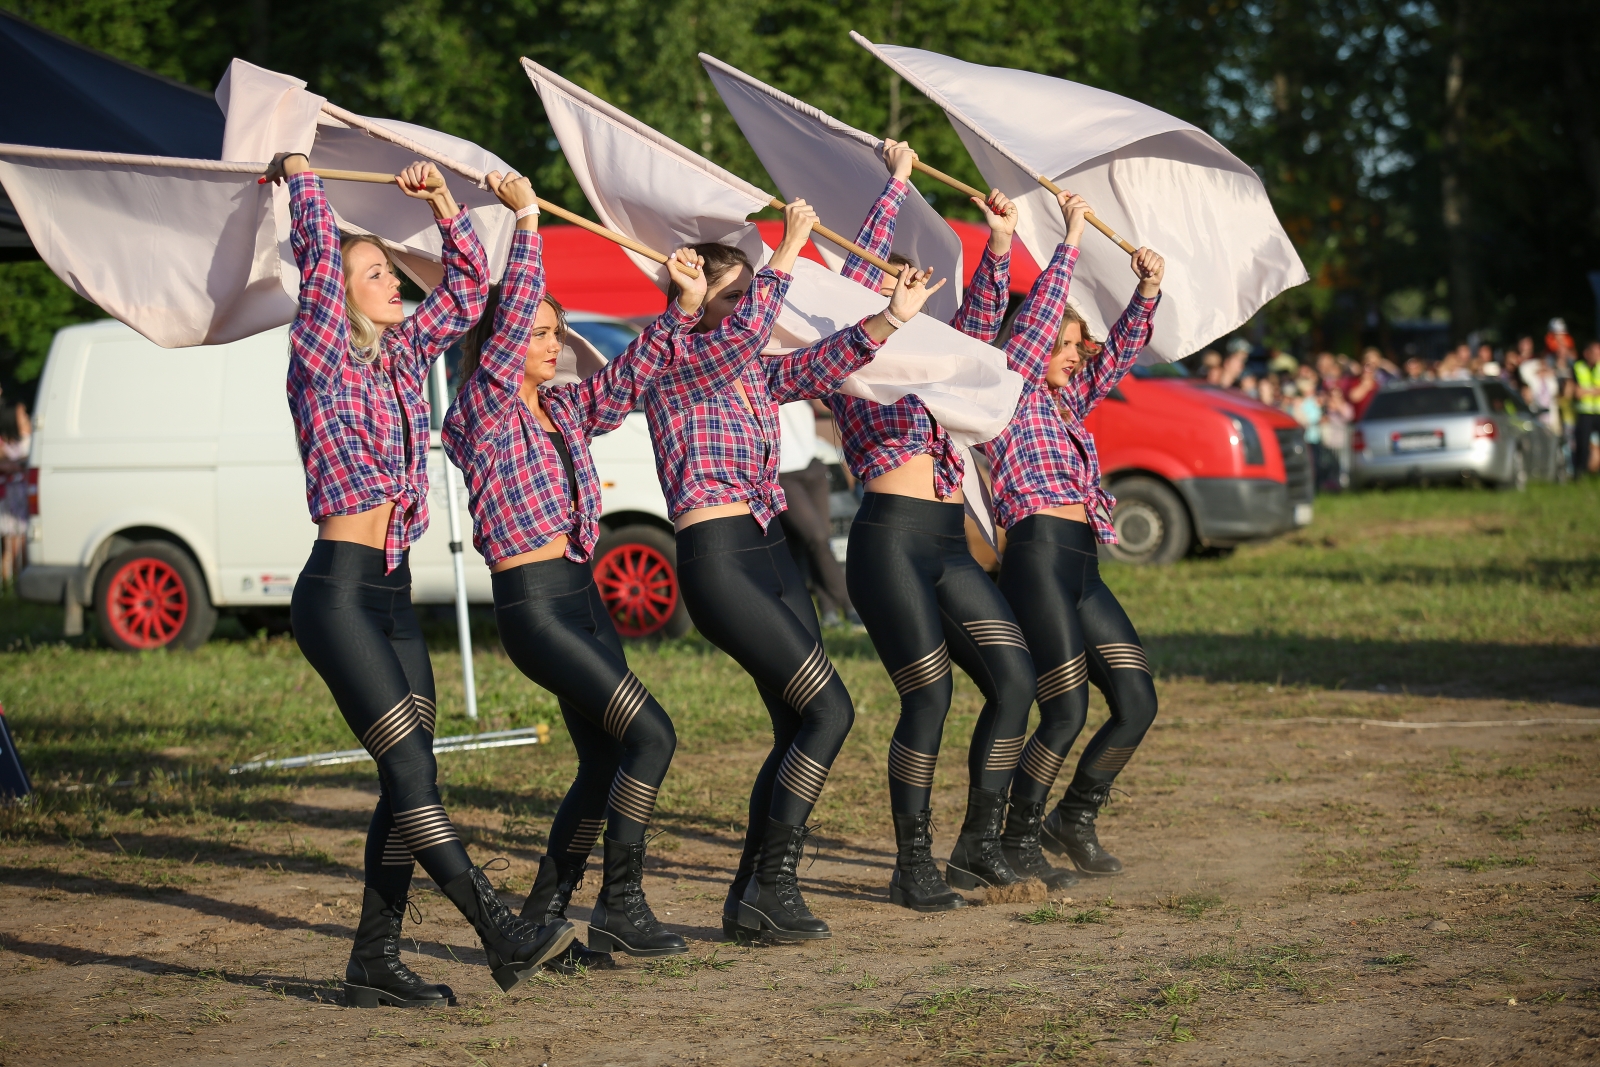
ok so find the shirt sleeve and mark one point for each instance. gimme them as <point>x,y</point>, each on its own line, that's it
<point>707,363</point>
<point>1127,339</point>
<point>455,303</point>
<point>603,400</point>
<point>814,372</point>
<point>983,309</point>
<point>1033,334</point>
<point>319,337</point>
<point>877,235</point>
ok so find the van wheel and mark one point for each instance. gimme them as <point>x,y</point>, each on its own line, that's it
<point>636,568</point>
<point>152,596</point>
<point>1152,524</point>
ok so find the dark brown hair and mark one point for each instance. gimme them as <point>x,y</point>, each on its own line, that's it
<point>482,331</point>
<point>719,259</point>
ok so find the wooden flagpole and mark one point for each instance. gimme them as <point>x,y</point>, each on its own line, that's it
<point>961,186</point>
<point>891,269</point>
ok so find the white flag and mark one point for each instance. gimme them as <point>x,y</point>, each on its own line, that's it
<point>1158,181</point>
<point>840,172</point>
<point>651,188</point>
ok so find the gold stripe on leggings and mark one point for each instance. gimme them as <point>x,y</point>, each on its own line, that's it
<point>1113,760</point>
<point>921,672</point>
<point>632,798</point>
<point>427,713</point>
<point>910,766</point>
<point>1004,753</point>
<point>808,681</point>
<point>395,853</point>
<point>425,827</point>
<point>1065,678</point>
<point>394,727</point>
<point>802,775</point>
<point>1124,657</point>
<point>588,833</point>
<point>624,705</point>
<point>1040,764</point>
<point>996,632</point>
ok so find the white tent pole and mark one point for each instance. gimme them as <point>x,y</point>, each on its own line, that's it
<point>469,681</point>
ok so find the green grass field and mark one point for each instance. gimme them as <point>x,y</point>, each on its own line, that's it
<point>1461,592</point>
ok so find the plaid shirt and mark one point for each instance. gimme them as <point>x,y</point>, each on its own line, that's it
<point>710,448</point>
<point>363,427</point>
<point>520,497</point>
<point>879,438</point>
<point>1045,457</point>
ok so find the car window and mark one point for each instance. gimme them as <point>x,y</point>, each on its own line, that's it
<point>1410,403</point>
<point>1503,400</point>
<point>609,337</point>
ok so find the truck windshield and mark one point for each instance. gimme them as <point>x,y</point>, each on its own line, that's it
<point>1410,403</point>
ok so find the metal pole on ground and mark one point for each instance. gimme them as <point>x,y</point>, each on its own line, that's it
<point>469,682</point>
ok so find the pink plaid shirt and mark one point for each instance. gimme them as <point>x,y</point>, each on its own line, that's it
<point>879,438</point>
<point>1045,457</point>
<point>710,448</point>
<point>520,496</point>
<point>363,427</point>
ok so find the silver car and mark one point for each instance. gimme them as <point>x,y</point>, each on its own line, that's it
<point>1452,430</point>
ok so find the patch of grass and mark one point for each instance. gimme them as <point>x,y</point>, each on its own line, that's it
<point>1488,863</point>
<point>686,965</point>
<point>1395,959</point>
<point>865,982</point>
<point>1180,993</point>
<point>1059,912</point>
<point>1194,905</point>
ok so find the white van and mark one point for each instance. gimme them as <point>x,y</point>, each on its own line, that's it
<point>169,488</point>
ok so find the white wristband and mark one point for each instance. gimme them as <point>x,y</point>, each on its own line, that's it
<point>896,323</point>
<point>531,209</point>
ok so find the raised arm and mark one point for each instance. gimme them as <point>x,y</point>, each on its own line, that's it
<point>1033,334</point>
<point>319,337</point>
<point>1126,340</point>
<point>877,232</point>
<point>456,302</point>
<point>983,309</point>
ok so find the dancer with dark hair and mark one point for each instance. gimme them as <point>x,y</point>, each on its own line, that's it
<point>714,419</point>
<point>1047,496</point>
<point>924,599</point>
<point>535,501</point>
<point>358,369</point>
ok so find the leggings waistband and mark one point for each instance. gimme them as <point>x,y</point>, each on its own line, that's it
<point>349,561</point>
<point>911,513</point>
<point>735,533</point>
<point>542,578</point>
<point>1053,530</point>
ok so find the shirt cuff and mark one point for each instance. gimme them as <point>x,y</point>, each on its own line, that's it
<point>897,189</point>
<point>1067,254</point>
<point>458,225</point>
<point>677,317</point>
<point>864,339</point>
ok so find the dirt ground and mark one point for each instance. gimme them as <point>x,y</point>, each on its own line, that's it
<point>1295,892</point>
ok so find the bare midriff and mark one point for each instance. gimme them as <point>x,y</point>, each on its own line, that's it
<point>913,478</point>
<point>715,511</point>
<point>554,550</point>
<point>1073,512</point>
<point>370,528</point>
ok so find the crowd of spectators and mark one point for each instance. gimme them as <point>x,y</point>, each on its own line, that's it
<point>1328,394</point>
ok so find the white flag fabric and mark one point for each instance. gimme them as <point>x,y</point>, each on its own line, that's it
<point>186,251</point>
<point>840,172</point>
<point>1158,181</point>
<point>658,192</point>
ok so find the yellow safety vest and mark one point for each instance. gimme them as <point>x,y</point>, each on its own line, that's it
<point>1588,387</point>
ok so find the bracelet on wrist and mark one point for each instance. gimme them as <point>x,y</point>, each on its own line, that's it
<point>889,315</point>
<point>524,212</point>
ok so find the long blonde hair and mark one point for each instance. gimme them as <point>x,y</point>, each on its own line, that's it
<point>364,333</point>
<point>1087,346</point>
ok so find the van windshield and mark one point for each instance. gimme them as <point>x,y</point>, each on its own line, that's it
<point>1410,403</point>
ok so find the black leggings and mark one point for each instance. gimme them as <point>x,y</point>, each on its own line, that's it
<point>555,628</point>
<point>925,601</point>
<point>746,597</point>
<point>1078,633</point>
<point>356,626</point>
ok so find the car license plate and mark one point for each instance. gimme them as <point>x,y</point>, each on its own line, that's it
<point>1426,441</point>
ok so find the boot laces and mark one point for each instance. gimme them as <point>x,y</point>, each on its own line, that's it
<point>787,884</point>
<point>495,911</point>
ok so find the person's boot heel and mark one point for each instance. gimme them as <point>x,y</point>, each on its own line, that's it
<point>600,941</point>
<point>957,878</point>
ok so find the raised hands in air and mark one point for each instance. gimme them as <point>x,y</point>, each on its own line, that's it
<point>687,269</point>
<point>1001,215</point>
<point>516,193</point>
<point>798,218</point>
<point>898,156</point>
<point>911,292</point>
<point>1150,268</point>
<point>422,181</point>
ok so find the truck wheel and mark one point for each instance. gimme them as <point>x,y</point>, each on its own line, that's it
<point>152,596</point>
<point>636,568</point>
<point>1151,522</point>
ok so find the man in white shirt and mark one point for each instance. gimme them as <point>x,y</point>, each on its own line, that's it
<point>806,524</point>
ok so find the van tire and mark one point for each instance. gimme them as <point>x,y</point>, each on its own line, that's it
<point>1151,522</point>
<point>636,567</point>
<point>152,596</point>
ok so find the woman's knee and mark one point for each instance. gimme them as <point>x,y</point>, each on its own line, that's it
<point>1136,703</point>
<point>832,713</point>
<point>651,732</point>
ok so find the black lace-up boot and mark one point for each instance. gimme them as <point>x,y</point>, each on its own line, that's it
<point>978,861</point>
<point>1020,842</point>
<point>916,882</point>
<point>622,919</point>
<point>772,904</point>
<point>731,930</point>
<point>1070,831</point>
<point>375,976</point>
<point>547,903</point>
<point>516,947</point>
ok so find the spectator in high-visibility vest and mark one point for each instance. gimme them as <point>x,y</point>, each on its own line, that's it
<point>1586,370</point>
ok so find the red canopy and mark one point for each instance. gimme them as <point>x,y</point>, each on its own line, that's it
<point>589,273</point>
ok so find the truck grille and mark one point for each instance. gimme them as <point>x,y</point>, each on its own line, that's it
<point>1297,465</point>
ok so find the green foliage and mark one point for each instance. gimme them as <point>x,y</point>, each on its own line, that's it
<point>34,304</point>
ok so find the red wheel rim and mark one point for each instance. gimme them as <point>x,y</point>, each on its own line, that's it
<point>638,587</point>
<point>147,603</point>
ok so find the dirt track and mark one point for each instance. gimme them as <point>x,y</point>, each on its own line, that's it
<point>1280,882</point>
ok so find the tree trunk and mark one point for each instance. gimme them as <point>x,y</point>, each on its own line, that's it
<point>1453,198</point>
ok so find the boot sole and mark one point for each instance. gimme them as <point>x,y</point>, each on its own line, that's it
<point>732,931</point>
<point>510,975</point>
<point>365,996</point>
<point>605,941</point>
<point>1055,847</point>
<point>898,896</point>
<point>961,878</point>
<point>757,921</point>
